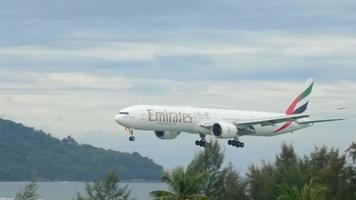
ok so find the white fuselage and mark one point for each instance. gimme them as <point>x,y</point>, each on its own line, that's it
<point>190,119</point>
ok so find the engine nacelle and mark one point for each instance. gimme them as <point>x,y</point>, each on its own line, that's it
<point>224,130</point>
<point>166,135</point>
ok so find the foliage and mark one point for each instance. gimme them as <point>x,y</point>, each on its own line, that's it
<point>210,160</point>
<point>27,153</point>
<point>352,151</point>
<point>260,182</point>
<point>323,174</point>
<point>234,188</point>
<point>310,191</point>
<point>296,176</point>
<point>29,193</point>
<point>222,183</point>
<point>106,189</point>
<point>185,184</point>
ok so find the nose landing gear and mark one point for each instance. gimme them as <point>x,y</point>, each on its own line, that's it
<point>131,138</point>
<point>131,132</point>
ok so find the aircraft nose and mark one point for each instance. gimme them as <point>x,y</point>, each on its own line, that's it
<point>117,118</point>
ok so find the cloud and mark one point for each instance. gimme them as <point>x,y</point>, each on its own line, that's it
<point>77,93</point>
<point>62,104</point>
<point>252,56</point>
<point>258,45</point>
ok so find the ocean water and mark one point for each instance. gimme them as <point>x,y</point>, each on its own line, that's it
<point>68,190</point>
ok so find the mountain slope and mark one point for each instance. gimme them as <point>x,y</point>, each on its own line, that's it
<point>26,153</point>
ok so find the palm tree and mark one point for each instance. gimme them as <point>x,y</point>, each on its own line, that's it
<point>185,184</point>
<point>29,193</point>
<point>107,189</point>
<point>310,191</point>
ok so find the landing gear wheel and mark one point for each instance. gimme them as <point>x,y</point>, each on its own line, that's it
<point>130,132</point>
<point>235,143</point>
<point>201,143</point>
<point>242,144</point>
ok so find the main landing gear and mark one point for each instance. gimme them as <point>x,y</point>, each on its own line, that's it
<point>202,142</point>
<point>236,143</point>
<point>131,132</point>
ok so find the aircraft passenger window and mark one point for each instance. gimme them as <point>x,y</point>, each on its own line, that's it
<point>124,113</point>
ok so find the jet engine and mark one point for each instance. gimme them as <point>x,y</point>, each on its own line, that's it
<point>166,135</point>
<point>224,130</point>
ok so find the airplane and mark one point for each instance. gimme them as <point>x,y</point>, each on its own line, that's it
<point>167,122</point>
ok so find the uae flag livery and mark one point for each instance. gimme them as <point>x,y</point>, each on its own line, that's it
<point>299,105</point>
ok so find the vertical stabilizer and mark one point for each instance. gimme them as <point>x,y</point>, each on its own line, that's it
<point>300,103</point>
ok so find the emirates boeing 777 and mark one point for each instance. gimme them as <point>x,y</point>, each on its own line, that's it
<point>167,122</point>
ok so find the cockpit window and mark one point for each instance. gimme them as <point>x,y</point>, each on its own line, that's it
<point>123,113</point>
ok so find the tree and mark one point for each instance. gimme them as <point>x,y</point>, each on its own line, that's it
<point>324,165</point>
<point>350,173</point>
<point>234,189</point>
<point>327,166</point>
<point>287,157</point>
<point>185,184</point>
<point>29,193</point>
<point>352,151</point>
<point>288,169</point>
<point>261,183</point>
<point>221,184</point>
<point>263,180</point>
<point>106,189</point>
<point>210,160</point>
<point>310,191</point>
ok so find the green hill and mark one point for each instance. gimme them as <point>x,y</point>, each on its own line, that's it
<point>26,153</point>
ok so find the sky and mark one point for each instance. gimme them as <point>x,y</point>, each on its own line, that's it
<point>67,67</point>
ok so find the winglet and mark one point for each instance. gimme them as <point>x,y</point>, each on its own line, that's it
<point>300,103</point>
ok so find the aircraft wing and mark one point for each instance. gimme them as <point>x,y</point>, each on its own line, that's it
<point>270,121</point>
<point>261,121</point>
<point>319,121</point>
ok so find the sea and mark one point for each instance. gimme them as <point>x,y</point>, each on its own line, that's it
<point>68,190</point>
